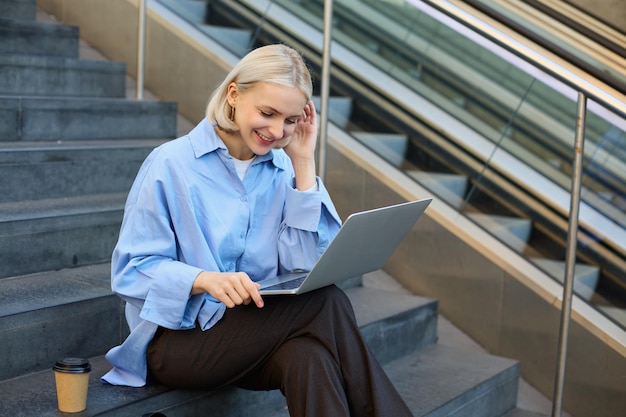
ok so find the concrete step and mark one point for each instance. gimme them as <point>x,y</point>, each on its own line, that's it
<point>391,146</point>
<point>517,412</point>
<point>448,381</point>
<point>193,11</point>
<point>41,170</point>
<point>18,9</point>
<point>441,381</point>
<point>478,385</point>
<point>234,39</point>
<point>339,109</point>
<point>585,276</point>
<point>24,37</point>
<point>375,310</point>
<point>51,234</point>
<point>57,313</point>
<point>24,75</point>
<point>394,324</point>
<point>38,118</point>
<point>513,231</point>
<point>451,188</point>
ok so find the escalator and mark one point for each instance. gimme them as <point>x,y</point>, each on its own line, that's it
<point>468,120</point>
<point>564,30</point>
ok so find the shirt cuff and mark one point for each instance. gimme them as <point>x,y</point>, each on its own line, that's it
<point>303,208</point>
<point>168,303</point>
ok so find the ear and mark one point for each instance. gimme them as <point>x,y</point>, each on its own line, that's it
<point>232,94</point>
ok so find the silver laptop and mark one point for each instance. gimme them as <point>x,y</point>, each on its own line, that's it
<point>363,244</point>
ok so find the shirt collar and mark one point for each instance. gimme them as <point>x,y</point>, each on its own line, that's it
<point>205,140</point>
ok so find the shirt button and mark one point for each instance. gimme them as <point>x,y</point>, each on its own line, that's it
<point>242,235</point>
<point>244,198</point>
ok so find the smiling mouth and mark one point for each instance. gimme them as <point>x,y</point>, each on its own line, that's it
<point>265,139</point>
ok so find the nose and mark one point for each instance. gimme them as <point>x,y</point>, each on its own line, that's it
<point>277,129</point>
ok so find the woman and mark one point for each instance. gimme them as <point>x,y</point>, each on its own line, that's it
<point>235,201</point>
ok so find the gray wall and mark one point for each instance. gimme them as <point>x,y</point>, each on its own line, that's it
<point>487,298</point>
<point>178,66</point>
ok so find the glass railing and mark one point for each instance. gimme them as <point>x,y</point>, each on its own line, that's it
<point>531,117</point>
<point>513,124</point>
<point>601,52</point>
<point>528,117</point>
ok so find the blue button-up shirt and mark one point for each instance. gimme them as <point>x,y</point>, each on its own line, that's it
<point>188,211</point>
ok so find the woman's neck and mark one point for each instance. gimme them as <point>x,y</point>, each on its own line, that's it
<point>235,145</point>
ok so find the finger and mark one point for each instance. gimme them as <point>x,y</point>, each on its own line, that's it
<point>258,300</point>
<point>236,297</point>
<point>306,111</point>
<point>247,290</point>
<point>253,290</point>
<point>225,298</point>
<point>241,294</point>
<point>311,112</point>
<point>230,297</point>
<point>304,117</point>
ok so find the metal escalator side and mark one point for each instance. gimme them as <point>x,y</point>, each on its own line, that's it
<point>569,32</point>
<point>503,134</point>
<point>483,133</point>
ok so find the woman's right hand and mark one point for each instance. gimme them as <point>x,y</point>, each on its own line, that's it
<point>231,288</point>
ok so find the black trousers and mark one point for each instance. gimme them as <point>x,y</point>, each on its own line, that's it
<point>309,346</point>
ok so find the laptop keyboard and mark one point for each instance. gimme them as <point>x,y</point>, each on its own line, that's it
<point>289,285</point>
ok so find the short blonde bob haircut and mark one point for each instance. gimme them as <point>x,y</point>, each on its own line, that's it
<point>277,64</point>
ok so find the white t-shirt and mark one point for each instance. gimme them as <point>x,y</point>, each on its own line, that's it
<point>242,166</point>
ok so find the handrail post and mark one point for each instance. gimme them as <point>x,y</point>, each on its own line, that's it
<point>141,40</point>
<point>325,87</point>
<point>570,255</point>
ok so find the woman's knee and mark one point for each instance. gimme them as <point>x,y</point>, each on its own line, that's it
<point>337,297</point>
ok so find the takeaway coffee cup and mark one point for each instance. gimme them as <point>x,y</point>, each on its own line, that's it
<point>72,379</point>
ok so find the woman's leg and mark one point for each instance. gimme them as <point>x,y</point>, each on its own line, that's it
<point>307,375</point>
<point>368,390</point>
<point>245,338</point>
<point>257,349</point>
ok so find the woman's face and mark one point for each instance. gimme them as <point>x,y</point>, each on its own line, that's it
<point>266,115</point>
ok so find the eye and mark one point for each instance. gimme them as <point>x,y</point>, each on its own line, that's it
<point>265,114</point>
<point>291,121</point>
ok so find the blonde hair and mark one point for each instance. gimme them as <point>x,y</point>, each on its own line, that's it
<point>278,64</point>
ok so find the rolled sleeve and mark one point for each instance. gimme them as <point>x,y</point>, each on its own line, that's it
<point>303,208</point>
<point>211,312</point>
<point>168,302</point>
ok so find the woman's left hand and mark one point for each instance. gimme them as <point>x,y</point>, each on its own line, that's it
<point>301,148</point>
<point>304,138</point>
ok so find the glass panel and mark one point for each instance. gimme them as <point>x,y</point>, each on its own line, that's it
<point>604,182</point>
<point>486,132</point>
<point>585,50</point>
<point>509,129</point>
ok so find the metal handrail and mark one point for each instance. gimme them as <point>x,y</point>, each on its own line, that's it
<point>570,257</point>
<point>552,68</point>
<point>585,90</point>
<point>141,40</point>
<point>325,87</point>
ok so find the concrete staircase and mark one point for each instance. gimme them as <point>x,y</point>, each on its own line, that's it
<point>70,145</point>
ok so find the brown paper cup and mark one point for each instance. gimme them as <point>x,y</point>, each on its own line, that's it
<point>72,380</point>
